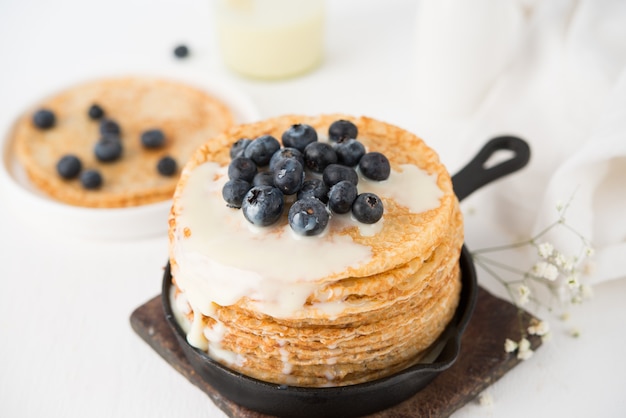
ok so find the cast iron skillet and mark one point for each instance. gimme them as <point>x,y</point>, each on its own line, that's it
<point>364,398</point>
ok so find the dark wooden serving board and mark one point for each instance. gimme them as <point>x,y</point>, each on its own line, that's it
<point>481,362</point>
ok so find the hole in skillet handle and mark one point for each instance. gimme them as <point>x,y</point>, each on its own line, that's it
<point>476,174</point>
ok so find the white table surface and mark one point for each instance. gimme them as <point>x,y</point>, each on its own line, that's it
<point>66,346</point>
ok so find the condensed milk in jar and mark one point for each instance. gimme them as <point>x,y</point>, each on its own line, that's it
<point>270,39</point>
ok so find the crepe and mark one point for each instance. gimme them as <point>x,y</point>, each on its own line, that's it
<point>187,116</point>
<point>317,322</point>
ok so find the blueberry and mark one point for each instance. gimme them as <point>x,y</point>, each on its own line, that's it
<point>349,152</point>
<point>181,51</point>
<point>44,119</point>
<point>375,166</point>
<point>95,112</point>
<point>318,155</point>
<point>234,191</point>
<point>69,166</point>
<point>242,168</point>
<point>91,179</point>
<point>314,188</point>
<point>342,129</point>
<point>238,147</point>
<point>335,173</point>
<point>299,136</point>
<point>109,126</point>
<point>108,149</point>
<point>288,176</point>
<point>308,217</point>
<point>263,178</point>
<point>167,166</point>
<point>286,152</point>
<point>152,138</point>
<point>262,149</point>
<point>263,205</point>
<point>367,208</point>
<point>341,196</point>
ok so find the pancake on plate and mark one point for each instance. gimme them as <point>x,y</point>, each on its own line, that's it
<point>354,303</point>
<point>181,118</point>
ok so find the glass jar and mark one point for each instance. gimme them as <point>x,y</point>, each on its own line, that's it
<point>271,39</point>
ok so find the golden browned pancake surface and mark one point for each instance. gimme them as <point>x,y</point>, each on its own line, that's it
<point>187,116</point>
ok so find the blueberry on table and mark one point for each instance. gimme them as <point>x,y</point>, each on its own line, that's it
<point>367,208</point>
<point>152,138</point>
<point>167,166</point>
<point>262,149</point>
<point>181,51</point>
<point>91,179</point>
<point>263,178</point>
<point>108,149</point>
<point>318,155</point>
<point>263,205</point>
<point>375,166</point>
<point>286,152</point>
<point>308,217</point>
<point>69,166</point>
<point>44,119</point>
<point>109,126</point>
<point>299,136</point>
<point>349,152</point>
<point>95,112</point>
<point>242,168</point>
<point>342,129</point>
<point>341,197</point>
<point>288,176</point>
<point>335,173</point>
<point>314,188</point>
<point>238,147</point>
<point>234,191</point>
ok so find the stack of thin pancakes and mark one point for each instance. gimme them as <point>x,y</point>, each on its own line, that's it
<point>394,306</point>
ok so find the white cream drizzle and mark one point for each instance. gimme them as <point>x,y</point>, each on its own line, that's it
<point>225,259</point>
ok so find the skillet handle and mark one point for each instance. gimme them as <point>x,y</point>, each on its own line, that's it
<point>474,175</point>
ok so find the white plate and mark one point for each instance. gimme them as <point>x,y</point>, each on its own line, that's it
<point>39,211</point>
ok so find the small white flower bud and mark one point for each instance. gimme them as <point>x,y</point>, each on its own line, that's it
<point>540,328</point>
<point>510,346</point>
<point>546,270</point>
<point>545,250</point>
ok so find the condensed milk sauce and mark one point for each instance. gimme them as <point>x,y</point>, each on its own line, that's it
<point>223,257</point>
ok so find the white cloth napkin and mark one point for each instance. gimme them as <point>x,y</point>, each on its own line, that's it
<point>553,73</point>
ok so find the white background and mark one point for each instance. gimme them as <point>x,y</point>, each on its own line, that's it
<point>66,346</point>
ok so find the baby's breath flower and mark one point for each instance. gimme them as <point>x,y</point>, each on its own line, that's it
<point>540,328</point>
<point>523,294</point>
<point>546,337</point>
<point>572,281</point>
<point>570,264</point>
<point>545,250</point>
<point>546,270</point>
<point>524,352</point>
<point>509,345</point>
<point>524,344</point>
<point>559,259</point>
<point>586,291</point>
<point>561,275</point>
<point>485,399</point>
<point>575,332</point>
